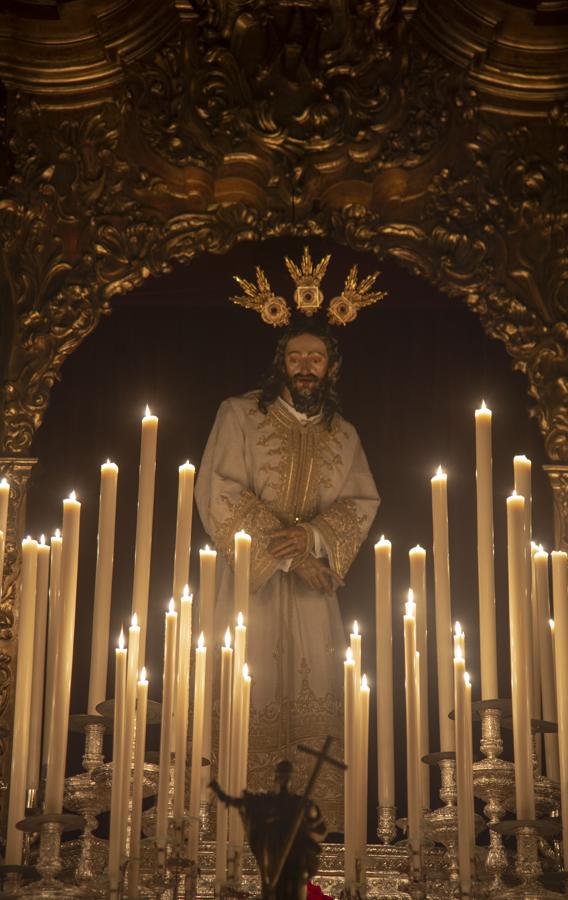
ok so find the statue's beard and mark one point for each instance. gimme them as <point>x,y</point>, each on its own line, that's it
<point>307,392</point>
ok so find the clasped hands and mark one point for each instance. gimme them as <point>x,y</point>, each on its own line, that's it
<point>293,542</point>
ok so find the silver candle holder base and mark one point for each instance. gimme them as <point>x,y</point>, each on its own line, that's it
<point>85,797</point>
<point>493,782</point>
<point>441,825</point>
<point>528,868</point>
<point>50,827</point>
<point>386,824</point>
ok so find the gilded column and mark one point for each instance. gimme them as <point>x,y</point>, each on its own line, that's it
<point>17,471</point>
<point>558,476</point>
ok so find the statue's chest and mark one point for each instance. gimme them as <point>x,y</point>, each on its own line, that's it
<point>296,469</point>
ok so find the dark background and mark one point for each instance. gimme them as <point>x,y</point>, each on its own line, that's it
<point>415,368</point>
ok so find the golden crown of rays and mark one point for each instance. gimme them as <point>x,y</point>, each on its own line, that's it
<point>308,296</point>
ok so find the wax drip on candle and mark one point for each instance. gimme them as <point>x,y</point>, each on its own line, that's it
<point>143,674</point>
<point>201,641</point>
<point>121,641</point>
<point>349,655</point>
<point>240,620</point>
<point>355,628</point>
<point>228,638</point>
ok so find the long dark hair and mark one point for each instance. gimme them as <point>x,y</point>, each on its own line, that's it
<point>275,379</point>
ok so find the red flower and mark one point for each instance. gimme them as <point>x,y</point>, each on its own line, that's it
<point>316,893</point>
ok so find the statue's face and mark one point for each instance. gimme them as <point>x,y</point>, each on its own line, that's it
<point>306,365</point>
<point>306,358</point>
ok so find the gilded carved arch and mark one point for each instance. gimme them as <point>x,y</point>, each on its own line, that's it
<point>232,127</point>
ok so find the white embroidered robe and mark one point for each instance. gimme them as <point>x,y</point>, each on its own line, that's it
<point>261,472</point>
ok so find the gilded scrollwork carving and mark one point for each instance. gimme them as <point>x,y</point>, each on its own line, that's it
<point>5,680</point>
<point>558,476</point>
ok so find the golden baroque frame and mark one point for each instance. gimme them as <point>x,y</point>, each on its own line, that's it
<point>215,124</point>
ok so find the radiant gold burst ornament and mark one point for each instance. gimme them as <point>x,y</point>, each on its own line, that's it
<point>308,295</point>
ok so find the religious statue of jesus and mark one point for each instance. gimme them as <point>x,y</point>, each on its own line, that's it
<point>282,464</point>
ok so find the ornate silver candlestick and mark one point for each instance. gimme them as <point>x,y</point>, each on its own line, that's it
<point>528,867</point>
<point>493,782</point>
<point>441,825</point>
<point>386,827</point>
<point>85,796</point>
<point>51,826</point>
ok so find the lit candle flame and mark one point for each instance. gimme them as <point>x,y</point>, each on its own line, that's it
<point>134,621</point>
<point>121,641</point>
<point>201,641</point>
<point>42,539</point>
<point>57,533</point>
<point>4,483</point>
<point>240,620</point>
<point>246,672</point>
<point>172,605</point>
<point>73,496</point>
<point>551,625</point>
<point>185,592</point>
<point>228,638</point>
<point>458,652</point>
<point>28,539</point>
<point>458,630</point>
<point>483,405</point>
<point>349,655</point>
<point>439,472</point>
<point>143,674</point>
<point>364,683</point>
<point>356,628</point>
<point>147,414</point>
<point>466,678</point>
